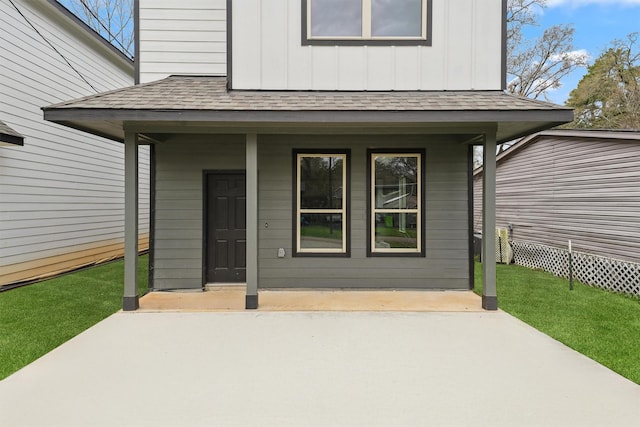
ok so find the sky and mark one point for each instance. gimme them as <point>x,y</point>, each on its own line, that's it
<point>597,23</point>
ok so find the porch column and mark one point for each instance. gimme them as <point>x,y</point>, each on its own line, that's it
<point>251,301</point>
<point>489,295</point>
<point>130,299</point>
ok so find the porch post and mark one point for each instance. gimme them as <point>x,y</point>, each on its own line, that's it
<point>489,295</point>
<point>251,301</point>
<point>130,298</point>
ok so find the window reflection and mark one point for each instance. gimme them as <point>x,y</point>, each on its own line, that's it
<point>396,18</point>
<point>321,213</point>
<point>320,231</point>
<point>321,182</point>
<point>396,182</point>
<point>396,203</point>
<point>336,18</point>
<point>396,231</point>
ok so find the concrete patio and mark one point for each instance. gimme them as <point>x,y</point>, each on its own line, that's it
<point>316,368</point>
<point>232,298</point>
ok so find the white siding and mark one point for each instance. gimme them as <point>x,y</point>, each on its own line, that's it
<point>465,53</point>
<point>185,37</point>
<point>61,194</point>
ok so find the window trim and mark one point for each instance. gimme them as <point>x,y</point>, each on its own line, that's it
<point>421,214</point>
<point>345,251</point>
<point>423,40</point>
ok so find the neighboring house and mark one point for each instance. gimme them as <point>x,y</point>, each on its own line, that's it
<point>578,185</point>
<point>61,190</point>
<point>8,136</point>
<point>298,147</point>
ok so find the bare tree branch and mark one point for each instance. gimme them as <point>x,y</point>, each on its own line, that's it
<point>112,19</point>
<point>537,66</point>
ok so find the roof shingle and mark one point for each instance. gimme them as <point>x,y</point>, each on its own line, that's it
<point>211,94</point>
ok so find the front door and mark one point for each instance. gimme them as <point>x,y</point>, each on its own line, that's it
<point>225,227</point>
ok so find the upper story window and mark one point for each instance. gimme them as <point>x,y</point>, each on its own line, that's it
<point>366,22</point>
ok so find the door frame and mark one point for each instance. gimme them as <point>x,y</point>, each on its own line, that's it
<point>205,213</point>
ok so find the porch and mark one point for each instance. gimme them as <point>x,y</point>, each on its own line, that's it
<point>232,298</point>
<point>438,126</point>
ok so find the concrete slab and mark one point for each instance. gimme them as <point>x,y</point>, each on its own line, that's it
<point>316,369</point>
<point>232,298</point>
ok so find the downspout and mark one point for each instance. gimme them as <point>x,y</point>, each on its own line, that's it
<point>470,216</point>
<point>136,41</point>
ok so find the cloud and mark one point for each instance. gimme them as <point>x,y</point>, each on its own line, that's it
<point>580,56</point>
<point>580,3</point>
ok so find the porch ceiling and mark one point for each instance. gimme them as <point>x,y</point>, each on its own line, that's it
<point>187,104</point>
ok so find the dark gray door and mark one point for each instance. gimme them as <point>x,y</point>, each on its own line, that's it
<point>226,227</point>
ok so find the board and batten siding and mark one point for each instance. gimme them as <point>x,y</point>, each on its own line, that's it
<point>465,54</point>
<point>179,209</point>
<point>62,193</point>
<point>558,188</point>
<point>182,37</point>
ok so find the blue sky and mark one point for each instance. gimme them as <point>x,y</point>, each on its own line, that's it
<point>596,23</point>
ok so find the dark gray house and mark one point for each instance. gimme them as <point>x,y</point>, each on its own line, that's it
<point>578,185</point>
<point>293,151</point>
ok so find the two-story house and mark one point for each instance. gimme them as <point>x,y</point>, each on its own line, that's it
<point>61,190</point>
<point>313,143</point>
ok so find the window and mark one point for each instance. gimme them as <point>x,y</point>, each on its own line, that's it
<point>362,22</point>
<point>395,200</point>
<point>320,203</point>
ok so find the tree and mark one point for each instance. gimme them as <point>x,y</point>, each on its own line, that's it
<point>608,96</point>
<point>537,66</point>
<point>112,19</point>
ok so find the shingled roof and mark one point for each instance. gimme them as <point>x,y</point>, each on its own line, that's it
<point>207,99</point>
<point>210,93</point>
<point>9,136</point>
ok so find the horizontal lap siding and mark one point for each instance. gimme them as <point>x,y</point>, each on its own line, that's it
<point>61,194</point>
<point>180,163</point>
<point>185,37</point>
<point>446,229</point>
<point>178,240</point>
<point>585,190</point>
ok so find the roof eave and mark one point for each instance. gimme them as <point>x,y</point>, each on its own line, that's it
<point>7,140</point>
<point>524,122</point>
<point>326,116</point>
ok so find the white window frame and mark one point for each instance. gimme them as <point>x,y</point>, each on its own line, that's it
<point>366,26</point>
<point>342,211</point>
<point>373,210</point>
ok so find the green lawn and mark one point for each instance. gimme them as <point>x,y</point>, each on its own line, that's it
<point>599,324</point>
<point>322,231</point>
<point>606,327</point>
<point>37,318</point>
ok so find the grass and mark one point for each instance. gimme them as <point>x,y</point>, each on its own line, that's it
<point>601,325</point>
<point>394,232</point>
<point>322,231</point>
<point>37,318</point>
